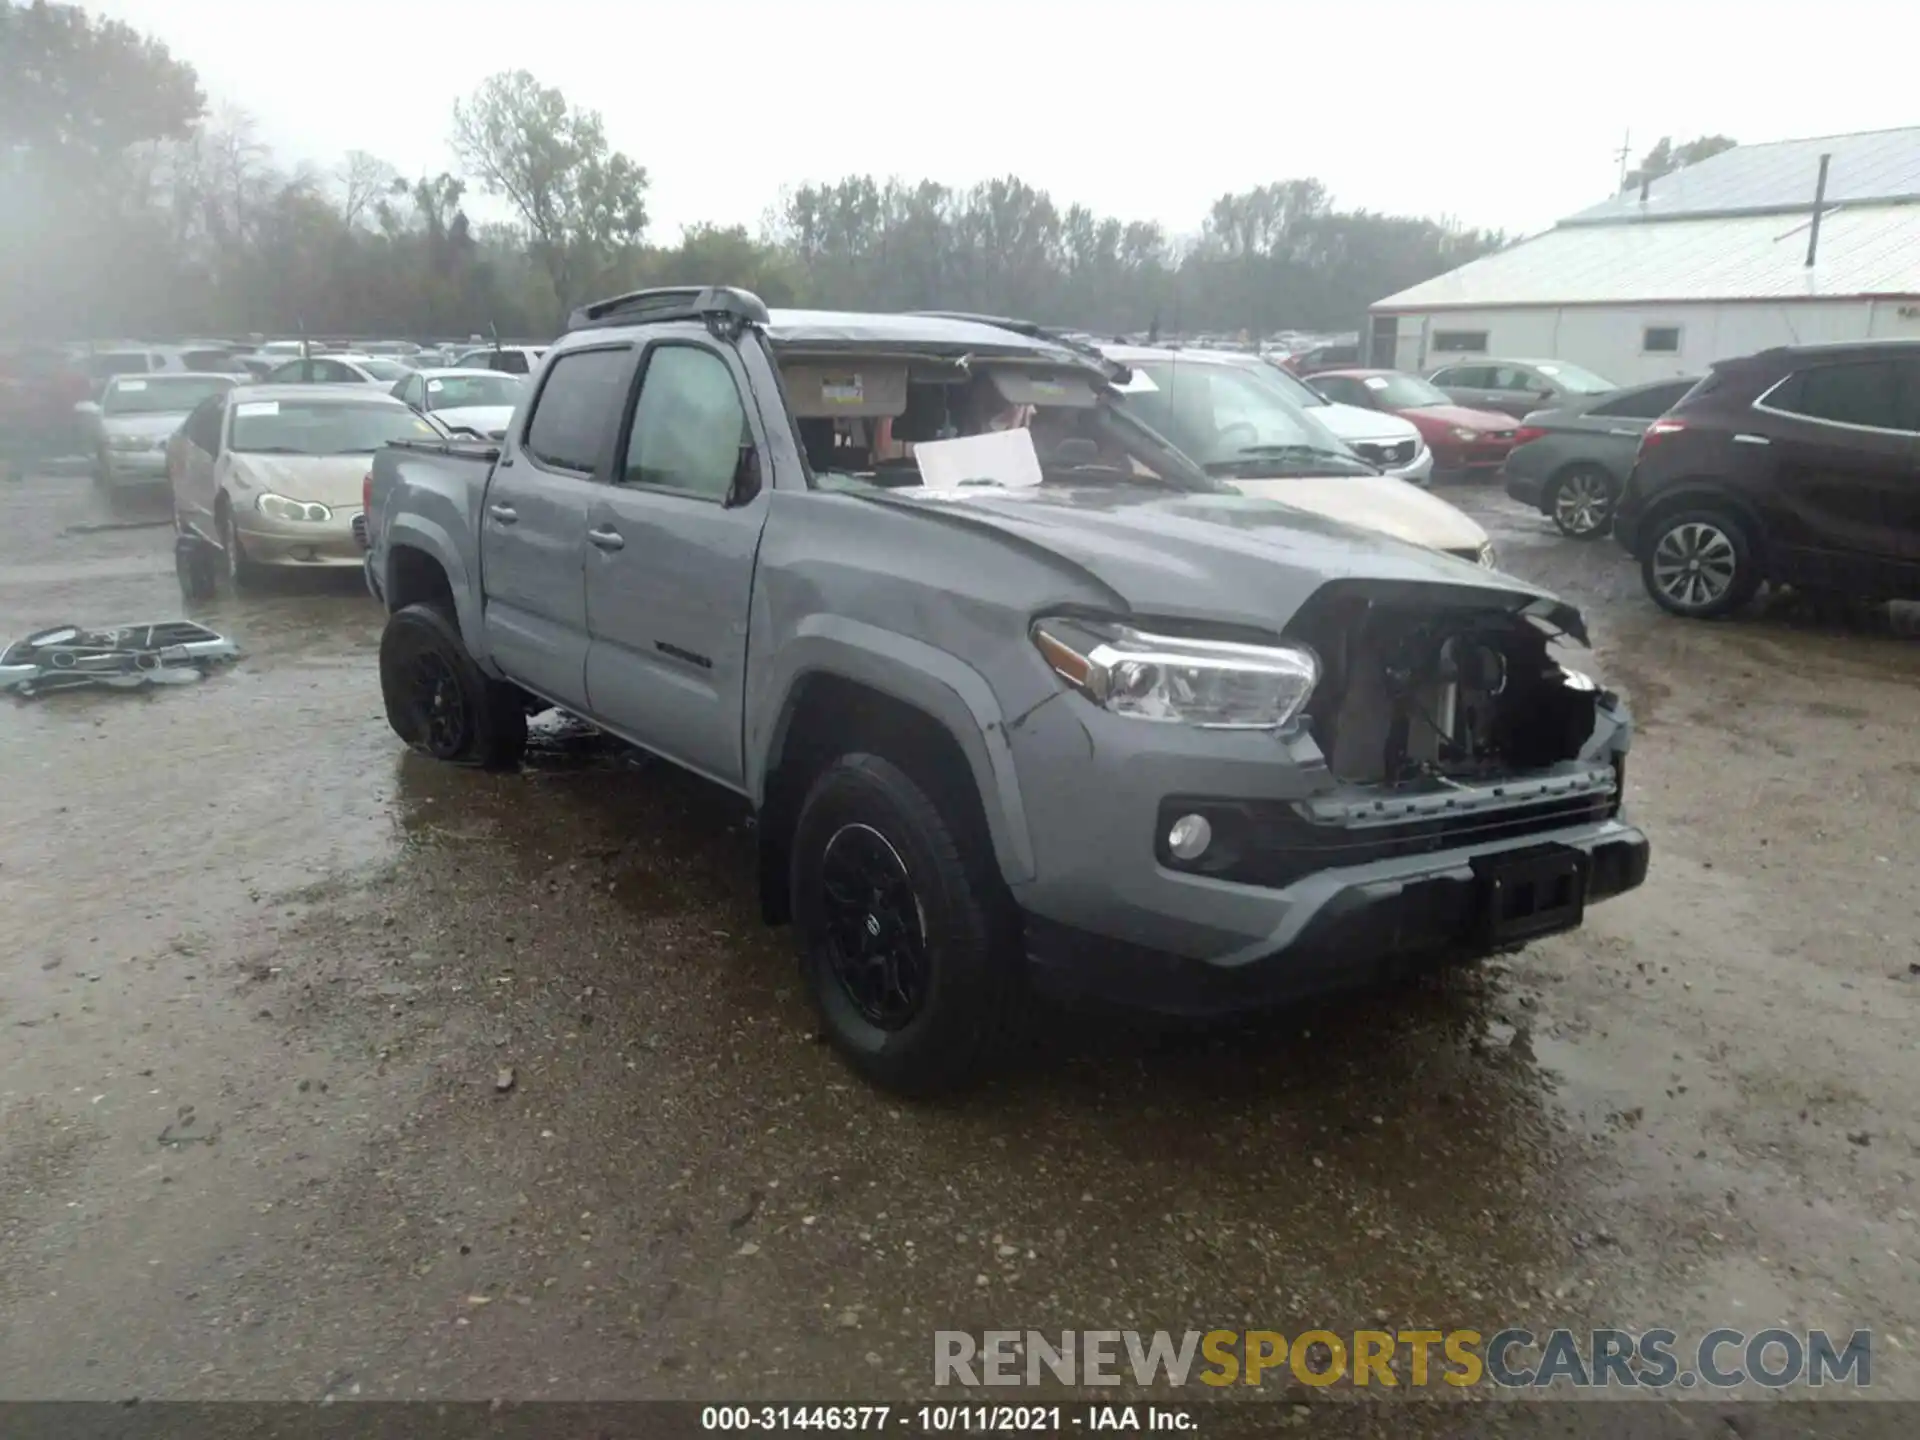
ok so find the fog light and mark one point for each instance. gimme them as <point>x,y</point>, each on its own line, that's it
<point>1189,837</point>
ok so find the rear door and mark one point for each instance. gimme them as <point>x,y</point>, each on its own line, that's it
<point>671,550</point>
<point>1844,440</point>
<point>1516,389</point>
<point>533,523</point>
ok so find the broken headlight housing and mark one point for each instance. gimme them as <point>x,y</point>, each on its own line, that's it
<point>1212,684</point>
<point>279,507</point>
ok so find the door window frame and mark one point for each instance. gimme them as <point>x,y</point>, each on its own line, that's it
<point>603,464</point>
<point>616,474</point>
<point>1907,377</point>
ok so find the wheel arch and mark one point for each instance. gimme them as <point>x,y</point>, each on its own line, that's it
<point>836,697</point>
<point>1701,494</point>
<point>419,552</point>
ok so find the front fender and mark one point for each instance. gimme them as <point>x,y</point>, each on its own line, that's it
<point>434,539</point>
<point>916,674</point>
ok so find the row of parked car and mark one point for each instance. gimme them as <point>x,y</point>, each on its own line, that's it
<point>1801,490</point>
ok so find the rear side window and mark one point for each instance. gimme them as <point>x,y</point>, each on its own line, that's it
<point>1466,377</point>
<point>1648,404</point>
<point>510,361</point>
<point>571,417</point>
<point>203,425</point>
<point>1864,392</point>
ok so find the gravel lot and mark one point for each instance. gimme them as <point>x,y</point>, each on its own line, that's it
<point>264,973</point>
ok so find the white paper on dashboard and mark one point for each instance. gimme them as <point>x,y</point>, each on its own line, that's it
<point>999,459</point>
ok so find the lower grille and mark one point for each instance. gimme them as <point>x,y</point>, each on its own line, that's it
<point>1271,843</point>
<point>1386,455</point>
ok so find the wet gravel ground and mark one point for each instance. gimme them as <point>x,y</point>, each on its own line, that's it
<point>325,1071</point>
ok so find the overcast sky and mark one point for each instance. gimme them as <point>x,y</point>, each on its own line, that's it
<point>1501,115</point>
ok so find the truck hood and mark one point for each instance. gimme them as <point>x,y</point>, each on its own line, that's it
<point>1375,502</point>
<point>330,480</point>
<point>1351,422</point>
<point>1233,558</point>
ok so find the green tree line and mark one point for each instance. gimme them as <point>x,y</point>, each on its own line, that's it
<point>127,207</point>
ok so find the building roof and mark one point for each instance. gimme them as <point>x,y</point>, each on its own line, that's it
<point>1874,165</point>
<point>1864,250</point>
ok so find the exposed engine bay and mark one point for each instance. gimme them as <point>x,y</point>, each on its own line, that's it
<point>1454,691</point>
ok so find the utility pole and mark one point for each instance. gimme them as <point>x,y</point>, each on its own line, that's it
<point>1624,154</point>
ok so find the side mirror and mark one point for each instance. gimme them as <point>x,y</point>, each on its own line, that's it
<point>746,476</point>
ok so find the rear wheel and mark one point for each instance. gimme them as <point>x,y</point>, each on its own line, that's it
<point>1581,502</point>
<point>437,699</point>
<point>906,943</point>
<point>1699,564</point>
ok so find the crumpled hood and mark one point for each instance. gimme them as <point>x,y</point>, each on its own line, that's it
<point>330,480</point>
<point>487,419</point>
<point>1375,502</point>
<point>1216,557</point>
<point>143,427</point>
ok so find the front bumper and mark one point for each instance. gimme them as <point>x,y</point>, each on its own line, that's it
<point>1419,472</point>
<point>1475,462</point>
<point>306,545</point>
<point>1108,920</point>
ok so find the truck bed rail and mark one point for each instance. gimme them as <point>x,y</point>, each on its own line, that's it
<point>459,449</point>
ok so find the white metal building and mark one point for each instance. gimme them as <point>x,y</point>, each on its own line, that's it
<point>1706,263</point>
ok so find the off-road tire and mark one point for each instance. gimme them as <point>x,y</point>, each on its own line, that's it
<point>492,727</point>
<point>975,973</point>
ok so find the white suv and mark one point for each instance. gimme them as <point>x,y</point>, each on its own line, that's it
<point>1384,440</point>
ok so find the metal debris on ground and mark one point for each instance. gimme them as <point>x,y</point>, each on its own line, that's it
<point>121,657</point>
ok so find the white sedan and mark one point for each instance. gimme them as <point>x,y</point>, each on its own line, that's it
<point>342,369</point>
<point>478,402</point>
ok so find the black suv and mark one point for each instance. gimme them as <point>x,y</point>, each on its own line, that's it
<point>1798,466</point>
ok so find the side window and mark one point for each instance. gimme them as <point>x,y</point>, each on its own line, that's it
<point>332,372</point>
<point>569,422</point>
<point>1466,377</point>
<point>1866,392</point>
<point>413,391</point>
<point>1342,390</point>
<point>203,425</point>
<point>1512,377</point>
<point>688,424</point>
<point>514,362</point>
<point>292,373</point>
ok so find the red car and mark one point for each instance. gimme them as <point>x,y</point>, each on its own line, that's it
<point>1466,444</point>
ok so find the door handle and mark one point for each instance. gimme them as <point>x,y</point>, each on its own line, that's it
<point>1745,439</point>
<point>607,538</point>
<point>1617,430</point>
<point>505,514</point>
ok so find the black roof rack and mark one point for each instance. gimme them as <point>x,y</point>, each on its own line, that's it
<point>724,308</point>
<point>1114,370</point>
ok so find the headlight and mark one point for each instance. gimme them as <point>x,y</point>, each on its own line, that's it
<point>278,507</point>
<point>1461,432</point>
<point>1214,684</point>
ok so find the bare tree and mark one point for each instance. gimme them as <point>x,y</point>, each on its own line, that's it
<point>363,179</point>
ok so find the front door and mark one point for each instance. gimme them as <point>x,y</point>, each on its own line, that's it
<point>670,557</point>
<point>533,524</point>
<point>197,452</point>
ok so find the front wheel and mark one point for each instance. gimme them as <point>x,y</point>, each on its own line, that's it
<point>437,699</point>
<point>1581,502</point>
<point>906,945</point>
<point>240,572</point>
<point>1699,564</point>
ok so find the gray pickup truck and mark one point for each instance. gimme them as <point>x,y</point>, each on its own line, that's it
<point>1053,709</point>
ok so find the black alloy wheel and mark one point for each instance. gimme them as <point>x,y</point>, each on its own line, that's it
<point>876,928</point>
